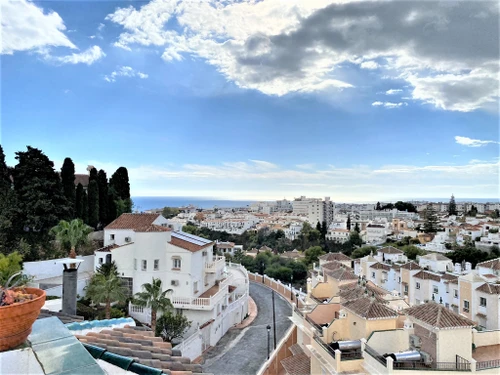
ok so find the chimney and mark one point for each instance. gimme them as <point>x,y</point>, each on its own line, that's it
<point>70,281</point>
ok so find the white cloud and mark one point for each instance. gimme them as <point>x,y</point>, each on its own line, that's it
<point>27,27</point>
<point>393,91</point>
<point>469,142</point>
<point>124,71</point>
<point>306,166</point>
<point>369,65</point>
<point>389,104</point>
<point>88,57</point>
<point>281,47</point>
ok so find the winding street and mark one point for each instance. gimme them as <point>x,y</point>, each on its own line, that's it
<point>243,351</point>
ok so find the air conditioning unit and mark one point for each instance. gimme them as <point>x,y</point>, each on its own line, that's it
<point>174,282</point>
<point>128,239</point>
<point>415,341</point>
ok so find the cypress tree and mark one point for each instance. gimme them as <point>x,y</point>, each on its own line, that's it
<point>120,183</point>
<point>378,208</point>
<point>93,198</point>
<point>79,201</point>
<point>7,206</point>
<point>85,207</point>
<point>112,213</point>
<point>431,220</point>
<point>102,182</point>
<point>93,175</point>
<point>68,180</point>
<point>348,222</point>
<point>5,181</point>
<point>452,206</point>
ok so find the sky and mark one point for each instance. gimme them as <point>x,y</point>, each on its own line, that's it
<point>272,99</point>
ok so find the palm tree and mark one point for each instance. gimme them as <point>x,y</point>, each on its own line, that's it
<point>108,269</point>
<point>154,298</point>
<point>71,234</point>
<point>106,289</point>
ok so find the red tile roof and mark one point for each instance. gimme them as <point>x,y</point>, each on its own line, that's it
<point>370,308</point>
<point>411,266</point>
<point>334,265</point>
<point>380,266</point>
<point>390,250</point>
<point>489,288</point>
<point>152,228</point>
<point>299,364</point>
<point>132,221</point>
<point>438,316</point>
<point>82,179</point>
<point>342,274</point>
<point>494,264</point>
<point>425,275</point>
<point>340,257</point>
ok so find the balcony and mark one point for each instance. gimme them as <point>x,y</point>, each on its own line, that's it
<point>206,301</point>
<point>217,263</point>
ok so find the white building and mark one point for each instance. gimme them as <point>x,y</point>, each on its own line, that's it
<point>204,289</point>
<point>436,263</point>
<point>228,247</point>
<point>375,233</point>
<point>315,209</point>
<point>339,235</point>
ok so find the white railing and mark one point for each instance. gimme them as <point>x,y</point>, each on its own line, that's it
<point>217,263</point>
<point>192,347</point>
<point>201,303</point>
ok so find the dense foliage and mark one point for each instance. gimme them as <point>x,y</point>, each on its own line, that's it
<point>34,197</point>
<point>171,326</point>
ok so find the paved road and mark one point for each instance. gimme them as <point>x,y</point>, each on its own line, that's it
<point>243,351</point>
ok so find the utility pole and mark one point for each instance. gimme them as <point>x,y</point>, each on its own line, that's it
<point>274,324</point>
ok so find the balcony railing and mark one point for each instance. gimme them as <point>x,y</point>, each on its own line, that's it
<point>483,365</point>
<point>201,303</point>
<point>218,262</point>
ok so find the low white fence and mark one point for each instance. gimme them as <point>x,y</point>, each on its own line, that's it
<point>192,347</point>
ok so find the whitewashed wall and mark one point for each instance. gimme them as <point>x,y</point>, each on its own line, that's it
<point>49,268</point>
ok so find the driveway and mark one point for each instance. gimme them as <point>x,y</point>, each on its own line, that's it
<point>243,351</point>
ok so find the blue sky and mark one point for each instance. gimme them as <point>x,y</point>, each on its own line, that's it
<point>259,99</point>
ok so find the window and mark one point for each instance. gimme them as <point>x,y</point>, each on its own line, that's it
<point>482,302</point>
<point>455,293</point>
<point>156,265</point>
<point>373,275</point>
<point>111,236</point>
<point>435,289</point>
<point>399,280</point>
<point>466,306</point>
<point>406,289</point>
<point>177,263</point>
<point>144,265</point>
<point>195,287</point>
<point>100,260</point>
<point>418,286</point>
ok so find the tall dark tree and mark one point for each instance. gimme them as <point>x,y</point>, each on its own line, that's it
<point>7,206</point>
<point>378,208</point>
<point>112,211</point>
<point>120,183</point>
<point>79,201</point>
<point>5,181</point>
<point>85,207</point>
<point>452,206</point>
<point>68,181</point>
<point>356,228</point>
<point>92,174</point>
<point>324,229</point>
<point>93,198</point>
<point>348,222</point>
<point>431,220</point>
<point>102,182</point>
<point>41,202</point>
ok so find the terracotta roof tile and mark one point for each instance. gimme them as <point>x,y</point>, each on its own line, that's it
<point>381,266</point>
<point>425,275</point>
<point>299,364</point>
<point>132,221</point>
<point>489,288</point>
<point>152,228</point>
<point>342,274</point>
<point>370,308</point>
<point>390,250</point>
<point>323,313</point>
<point>493,264</point>
<point>334,265</point>
<point>186,245</point>
<point>340,257</point>
<point>438,316</point>
<point>412,266</point>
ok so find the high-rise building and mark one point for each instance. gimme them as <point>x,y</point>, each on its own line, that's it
<point>315,209</point>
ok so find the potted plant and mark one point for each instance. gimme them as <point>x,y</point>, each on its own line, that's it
<point>19,308</point>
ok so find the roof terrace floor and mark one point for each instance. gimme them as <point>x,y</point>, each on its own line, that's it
<point>486,353</point>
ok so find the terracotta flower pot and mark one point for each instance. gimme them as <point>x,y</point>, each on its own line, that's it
<point>16,319</point>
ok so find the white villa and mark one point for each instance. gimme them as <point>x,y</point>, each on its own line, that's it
<point>213,295</point>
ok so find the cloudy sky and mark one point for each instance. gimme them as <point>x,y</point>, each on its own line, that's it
<point>357,100</point>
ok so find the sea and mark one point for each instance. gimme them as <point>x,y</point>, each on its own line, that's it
<point>149,203</point>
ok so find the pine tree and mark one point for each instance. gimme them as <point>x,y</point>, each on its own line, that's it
<point>79,201</point>
<point>93,202</point>
<point>41,203</point>
<point>431,220</point>
<point>68,180</point>
<point>102,182</point>
<point>452,206</point>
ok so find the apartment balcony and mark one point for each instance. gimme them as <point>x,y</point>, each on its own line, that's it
<point>217,263</point>
<point>206,301</point>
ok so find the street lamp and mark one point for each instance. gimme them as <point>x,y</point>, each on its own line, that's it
<point>268,340</point>
<point>291,288</point>
<point>297,299</point>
